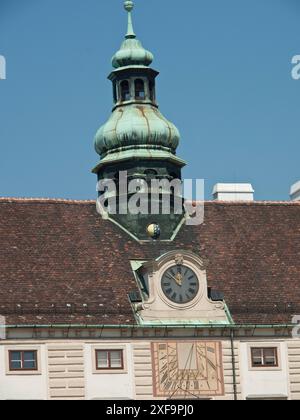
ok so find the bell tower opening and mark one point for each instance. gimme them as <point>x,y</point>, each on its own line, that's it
<point>125,91</point>
<point>139,87</point>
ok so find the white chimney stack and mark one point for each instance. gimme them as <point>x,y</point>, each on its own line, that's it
<point>233,192</point>
<point>295,192</point>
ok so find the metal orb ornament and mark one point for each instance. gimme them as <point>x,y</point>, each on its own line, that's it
<point>153,231</point>
<point>128,5</point>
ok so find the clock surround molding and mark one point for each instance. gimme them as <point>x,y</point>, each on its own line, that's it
<point>159,308</point>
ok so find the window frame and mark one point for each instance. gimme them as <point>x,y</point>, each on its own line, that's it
<point>264,365</point>
<point>22,352</point>
<point>109,351</point>
<point>143,90</point>
<point>123,92</point>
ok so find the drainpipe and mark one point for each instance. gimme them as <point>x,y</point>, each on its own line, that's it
<point>233,365</point>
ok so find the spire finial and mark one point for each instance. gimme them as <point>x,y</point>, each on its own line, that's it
<point>129,5</point>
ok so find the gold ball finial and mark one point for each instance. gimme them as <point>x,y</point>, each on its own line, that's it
<point>128,5</point>
<point>153,231</point>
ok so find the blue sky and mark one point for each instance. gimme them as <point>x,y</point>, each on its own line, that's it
<point>225,82</point>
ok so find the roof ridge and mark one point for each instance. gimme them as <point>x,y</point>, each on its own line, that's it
<point>44,200</point>
<point>246,203</point>
<point>72,201</point>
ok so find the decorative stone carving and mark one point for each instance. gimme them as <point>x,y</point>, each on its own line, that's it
<point>179,259</point>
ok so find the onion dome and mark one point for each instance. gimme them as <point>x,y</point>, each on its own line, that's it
<point>137,143</point>
<point>136,126</point>
<point>131,51</point>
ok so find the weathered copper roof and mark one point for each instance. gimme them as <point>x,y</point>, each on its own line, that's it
<point>61,263</point>
<point>131,53</point>
<point>135,122</point>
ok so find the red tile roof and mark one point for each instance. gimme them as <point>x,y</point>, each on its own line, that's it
<point>61,263</point>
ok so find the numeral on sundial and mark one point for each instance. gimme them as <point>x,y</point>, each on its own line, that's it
<point>177,377</point>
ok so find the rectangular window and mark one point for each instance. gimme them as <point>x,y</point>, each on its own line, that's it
<point>264,357</point>
<point>109,359</point>
<point>22,360</point>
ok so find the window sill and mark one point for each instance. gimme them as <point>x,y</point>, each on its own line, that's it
<point>23,372</point>
<point>110,372</point>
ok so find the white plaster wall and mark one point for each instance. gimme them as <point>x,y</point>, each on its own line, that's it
<point>108,386</point>
<point>23,387</point>
<point>264,382</point>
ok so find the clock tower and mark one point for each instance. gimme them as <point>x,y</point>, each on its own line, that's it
<point>138,145</point>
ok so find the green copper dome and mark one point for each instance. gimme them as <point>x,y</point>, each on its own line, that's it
<point>137,148</point>
<point>131,51</point>
<point>135,124</point>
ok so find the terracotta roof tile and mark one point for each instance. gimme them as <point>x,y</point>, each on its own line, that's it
<point>61,263</point>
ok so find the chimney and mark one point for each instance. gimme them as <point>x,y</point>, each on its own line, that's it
<point>295,192</point>
<point>233,192</point>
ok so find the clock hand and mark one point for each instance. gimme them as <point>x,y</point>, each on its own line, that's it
<point>170,275</point>
<point>177,280</point>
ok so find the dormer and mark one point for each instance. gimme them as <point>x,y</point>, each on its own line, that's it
<point>174,290</point>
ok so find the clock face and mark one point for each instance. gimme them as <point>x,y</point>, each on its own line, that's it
<point>180,284</point>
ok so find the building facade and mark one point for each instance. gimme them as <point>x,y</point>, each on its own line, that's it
<point>98,302</point>
<point>203,363</point>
